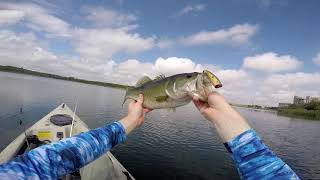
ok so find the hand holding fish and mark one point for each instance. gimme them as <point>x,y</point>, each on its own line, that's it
<point>174,91</point>
<point>136,114</point>
<point>228,122</point>
<point>179,90</point>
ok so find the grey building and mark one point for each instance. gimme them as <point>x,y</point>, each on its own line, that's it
<point>307,99</point>
<point>297,100</point>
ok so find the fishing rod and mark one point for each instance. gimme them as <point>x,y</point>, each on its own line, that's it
<point>24,128</point>
<point>74,113</point>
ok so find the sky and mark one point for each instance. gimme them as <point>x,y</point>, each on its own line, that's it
<point>263,51</point>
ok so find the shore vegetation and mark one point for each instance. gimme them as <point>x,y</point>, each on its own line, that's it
<point>309,111</point>
<point>18,70</point>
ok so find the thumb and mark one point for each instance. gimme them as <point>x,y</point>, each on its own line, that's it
<point>146,110</point>
<point>140,99</point>
<point>200,104</point>
<point>197,102</point>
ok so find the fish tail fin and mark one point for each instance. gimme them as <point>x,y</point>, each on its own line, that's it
<point>125,96</point>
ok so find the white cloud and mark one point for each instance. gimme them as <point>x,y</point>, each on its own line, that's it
<point>103,43</point>
<point>191,8</point>
<point>316,59</point>
<point>38,18</point>
<point>96,43</point>
<point>131,70</point>
<point>174,65</point>
<point>101,17</point>
<point>22,49</point>
<point>271,62</point>
<point>97,71</point>
<point>25,50</point>
<point>237,34</point>
<point>165,43</point>
<point>282,87</point>
<point>239,86</point>
<point>133,65</point>
<point>111,33</point>
<point>95,47</point>
<point>298,81</point>
<point>8,17</point>
<point>232,75</point>
<point>244,87</point>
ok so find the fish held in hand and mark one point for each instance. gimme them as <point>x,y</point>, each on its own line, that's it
<point>173,91</point>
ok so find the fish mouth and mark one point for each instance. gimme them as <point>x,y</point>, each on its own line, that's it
<point>213,79</point>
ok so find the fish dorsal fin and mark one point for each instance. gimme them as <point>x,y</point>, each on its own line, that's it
<point>161,76</point>
<point>143,80</point>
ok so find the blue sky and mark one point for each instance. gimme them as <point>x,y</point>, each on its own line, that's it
<point>267,49</point>
<point>287,28</point>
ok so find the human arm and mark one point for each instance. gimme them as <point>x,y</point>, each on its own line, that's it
<point>252,158</point>
<point>59,158</point>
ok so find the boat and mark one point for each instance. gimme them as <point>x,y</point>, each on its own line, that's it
<point>55,126</point>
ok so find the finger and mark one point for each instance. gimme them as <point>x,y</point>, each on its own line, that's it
<point>198,103</point>
<point>195,98</point>
<point>131,103</point>
<point>212,93</point>
<point>140,99</point>
<point>146,110</point>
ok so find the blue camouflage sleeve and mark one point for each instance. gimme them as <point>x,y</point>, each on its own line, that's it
<point>254,160</point>
<point>54,160</point>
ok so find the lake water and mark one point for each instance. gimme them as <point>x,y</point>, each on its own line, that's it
<point>169,145</point>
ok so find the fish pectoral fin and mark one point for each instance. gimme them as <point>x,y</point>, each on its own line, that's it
<point>162,98</point>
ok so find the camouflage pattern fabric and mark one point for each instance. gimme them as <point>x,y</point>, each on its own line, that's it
<point>54,160</point>
<point>254,160</point>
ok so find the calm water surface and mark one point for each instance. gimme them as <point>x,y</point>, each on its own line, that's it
<point>180,145</point>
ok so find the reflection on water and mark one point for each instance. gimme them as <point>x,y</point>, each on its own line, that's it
<point>169,145</point>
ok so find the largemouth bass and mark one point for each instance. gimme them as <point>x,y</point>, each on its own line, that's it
<point>173,91</point>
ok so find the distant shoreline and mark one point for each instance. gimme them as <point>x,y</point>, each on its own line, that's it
<point>310,111</point>
<point>17,70</point>
<point>299,113</point>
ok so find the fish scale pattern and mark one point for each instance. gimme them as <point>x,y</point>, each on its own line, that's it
<point>54,160</point>
<point>254,160</point>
